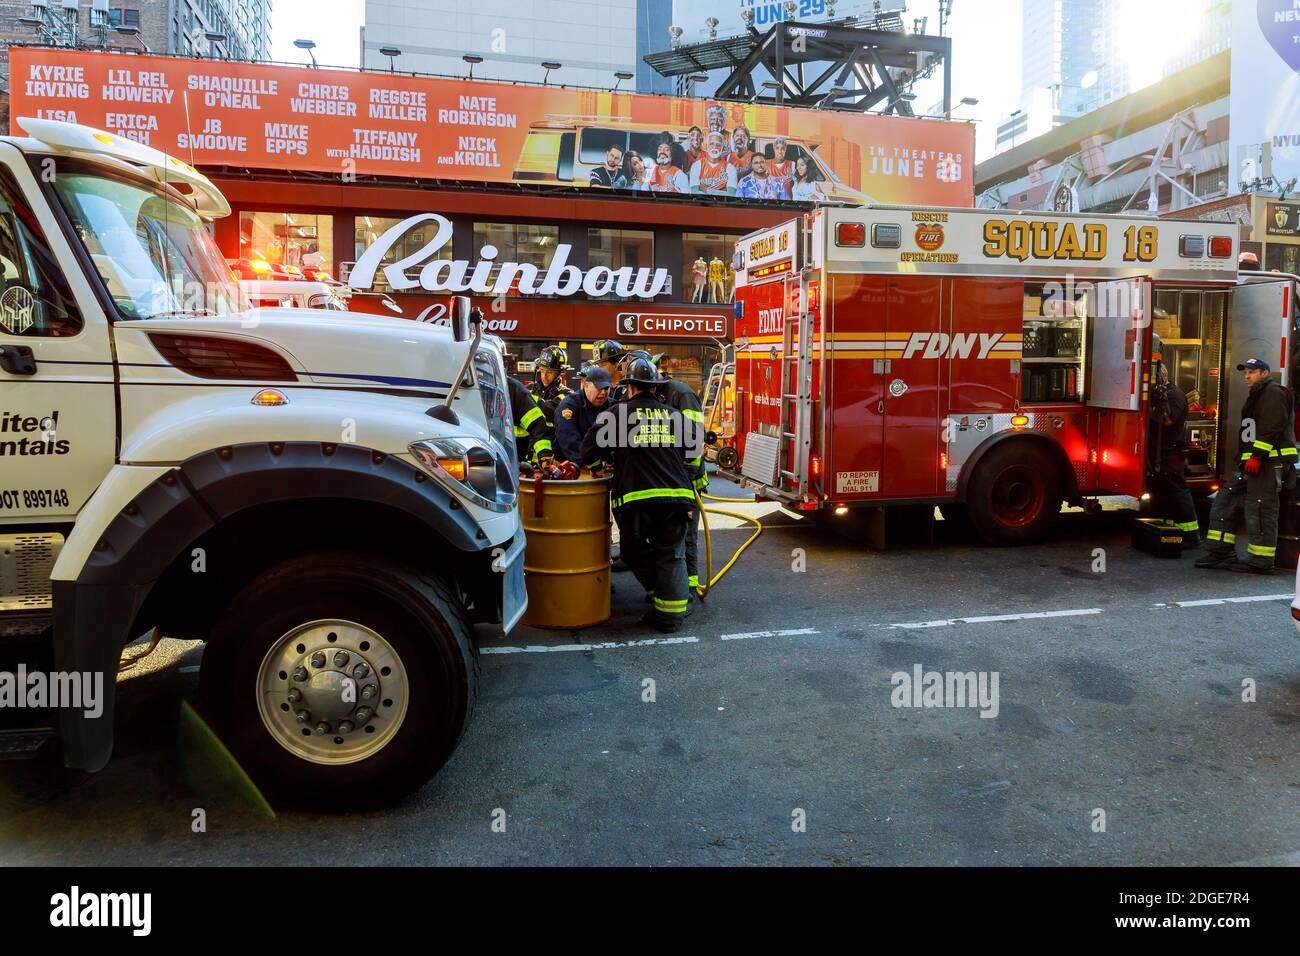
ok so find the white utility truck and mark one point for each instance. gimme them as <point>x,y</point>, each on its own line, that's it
<point>328,501</point>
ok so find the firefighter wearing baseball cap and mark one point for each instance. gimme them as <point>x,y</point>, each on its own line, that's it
<point>532,431</point>
<point>577,412</point>
<point>549,388</point>
<point>651,491</point>
<point>682,398</point>
<point>1266,462</point>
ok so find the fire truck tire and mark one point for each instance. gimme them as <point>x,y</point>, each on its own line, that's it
<point>1015,495</point>
<point>341,680</point>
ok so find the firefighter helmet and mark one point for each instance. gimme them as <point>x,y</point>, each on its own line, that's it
<point>552,357</point>
<point>631,355</point>
<point>642,371</point>
<point>607,350</point>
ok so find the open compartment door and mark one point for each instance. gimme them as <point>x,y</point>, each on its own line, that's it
<point>1119,336</point>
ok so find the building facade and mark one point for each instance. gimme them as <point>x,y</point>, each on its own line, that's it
<point>590,39</point>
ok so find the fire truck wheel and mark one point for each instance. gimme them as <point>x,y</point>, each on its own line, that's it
<point>1014,496</point>
<point>341,680</point>
<point>728,457</point>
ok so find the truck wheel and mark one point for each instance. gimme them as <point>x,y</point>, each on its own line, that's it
<point>341,680</point>
<point>1015,495</point>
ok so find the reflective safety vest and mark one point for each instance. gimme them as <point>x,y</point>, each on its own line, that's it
<point>649,444</point>
<point>1268,424</point>
<point>532,431</point>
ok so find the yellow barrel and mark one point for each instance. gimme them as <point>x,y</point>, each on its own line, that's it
<point>566,560</point>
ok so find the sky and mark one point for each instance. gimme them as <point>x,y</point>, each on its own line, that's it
<point>335,25</point>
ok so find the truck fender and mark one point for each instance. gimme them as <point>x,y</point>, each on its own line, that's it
<point>94,612</point>
<point>1069,478</point>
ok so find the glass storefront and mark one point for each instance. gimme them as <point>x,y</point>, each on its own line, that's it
<point>707,275</point>
<point>370,228</point>
<point>616,248</point>
<point>290,239</point>
<point>517,242</point>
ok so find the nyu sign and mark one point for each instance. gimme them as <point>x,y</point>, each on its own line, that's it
<point>457,275</point>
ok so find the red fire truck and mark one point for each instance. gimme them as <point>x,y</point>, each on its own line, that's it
<point>995,363</point>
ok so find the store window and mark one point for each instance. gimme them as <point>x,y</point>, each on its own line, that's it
<point>288,239</point>
<point>1281,257</point>
<point>619,248</point>
<point>517,242</point>
<point>370,228</point>
<point>706,266</point>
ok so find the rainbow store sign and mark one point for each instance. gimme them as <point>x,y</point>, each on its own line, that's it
<point>457,275</point>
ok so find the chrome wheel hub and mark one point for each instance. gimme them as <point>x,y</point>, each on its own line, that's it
<point>332,692</point>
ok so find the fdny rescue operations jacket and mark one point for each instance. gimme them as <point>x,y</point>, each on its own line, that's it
<point>650,444</point>
<point>1272,409</point>
<point>574,417</point>
<point>532,432</point>
<point>681,397</point>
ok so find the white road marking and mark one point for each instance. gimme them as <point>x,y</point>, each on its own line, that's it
<point>603,646</point>
<point>750,635</point>
<point>1207,602</point>
<point>993,618</point>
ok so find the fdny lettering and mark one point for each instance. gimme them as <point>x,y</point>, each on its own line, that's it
<point>1043,239</point>
<point>940,345</point>
<point>770,321</point>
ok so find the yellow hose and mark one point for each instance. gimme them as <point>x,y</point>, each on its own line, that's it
<point>710,579</point>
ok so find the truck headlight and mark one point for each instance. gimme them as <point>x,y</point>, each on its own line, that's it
<point>470,469</point>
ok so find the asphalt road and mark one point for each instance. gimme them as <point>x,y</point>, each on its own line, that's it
<point>773,709</point>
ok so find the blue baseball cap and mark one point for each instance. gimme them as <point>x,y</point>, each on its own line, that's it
<point>1259,364</point>
<point>598,376</point>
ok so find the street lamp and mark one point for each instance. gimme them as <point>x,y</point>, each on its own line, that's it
<point>834,93</point>
<point>133,32</point>
<point>392,53</point>
<point>307,45</point>
<point>900,98</point>
<point>549,65</point>
<point>213,39</point>
<point>471,59</point>
<point>692,80</point>
<point>620,76</point>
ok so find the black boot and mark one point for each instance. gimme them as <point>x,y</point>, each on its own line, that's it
<point>1216,558</point>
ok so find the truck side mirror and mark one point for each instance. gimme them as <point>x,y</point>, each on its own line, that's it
<point>459,313</point>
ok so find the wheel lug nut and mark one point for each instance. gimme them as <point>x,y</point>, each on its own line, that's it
<point>341,659</point>
<point>322,728</point>
<point>361,672</point>
<point>304,716</point>
<point>369,691</point>
<point>345,727</point>
<point>300,674</point>
<point>362,714</point>
<point>295,695</point>
<point>318,659</point>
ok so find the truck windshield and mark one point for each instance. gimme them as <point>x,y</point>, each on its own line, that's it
<point>153,252</point>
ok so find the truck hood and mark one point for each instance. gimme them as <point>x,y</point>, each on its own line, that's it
<point>339,348</point>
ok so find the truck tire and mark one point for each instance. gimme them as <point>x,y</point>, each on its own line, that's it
<point>341,680</point>
<point>1014,497</point>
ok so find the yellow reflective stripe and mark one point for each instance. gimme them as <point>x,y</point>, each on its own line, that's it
<point>520,432</point>
<point>670,607</point>
<point>541,445</point>
<point>1229,538</point>
<point>1246,456</point>
<point>693,415</point>
<point>695,462</point>
<point>1288,452</point>
<point>693,581</point>
<point>1214,535</point>
<point>1260,550</point>
<point>530,416</point>
<point>1187,525</point>
<point>1263,445</point>
<point>656,493</point>
<point>701,482</point>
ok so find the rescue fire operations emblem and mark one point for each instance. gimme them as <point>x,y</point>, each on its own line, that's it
<point>929,236</point>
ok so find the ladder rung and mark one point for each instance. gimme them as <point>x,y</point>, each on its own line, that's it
<point>790,474</point>
<point>789,435</point>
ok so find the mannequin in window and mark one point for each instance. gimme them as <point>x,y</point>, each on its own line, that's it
<point>699,272</point>
<point>717,280</point>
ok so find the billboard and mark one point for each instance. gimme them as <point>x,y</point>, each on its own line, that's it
<point>1264,130</point>
<point>212,113</point>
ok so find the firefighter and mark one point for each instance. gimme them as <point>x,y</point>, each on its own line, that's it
<point>608,354</point>
<point>1171,501</point>
<point>651,491</point>
<point>682,398</point>
<point>577,412</point>
<point>532,432</point>
<point>550,389</point>
<point>1266,463</point>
